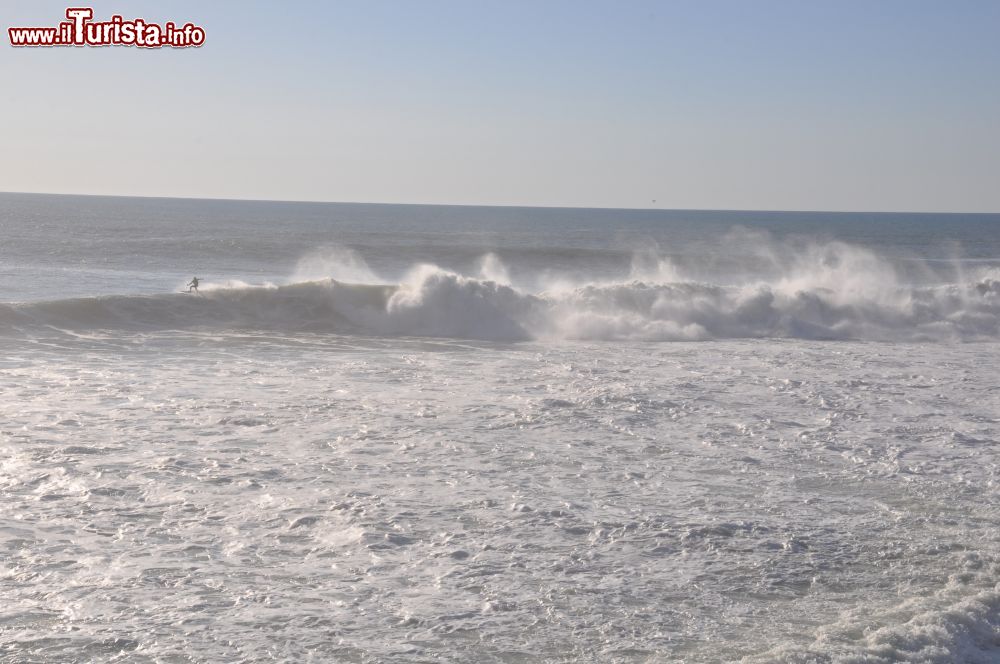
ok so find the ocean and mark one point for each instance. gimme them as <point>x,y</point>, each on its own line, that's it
<point>392,433</point>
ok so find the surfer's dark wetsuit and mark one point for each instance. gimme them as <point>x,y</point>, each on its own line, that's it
<point>193,285</point>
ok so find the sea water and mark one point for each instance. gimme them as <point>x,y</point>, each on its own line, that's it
<point>420,434</point>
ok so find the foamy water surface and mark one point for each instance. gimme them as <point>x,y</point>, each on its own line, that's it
<point>385,434</point>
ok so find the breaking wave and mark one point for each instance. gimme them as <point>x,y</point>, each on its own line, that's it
<point>946,627</point>
<point>831,291</point>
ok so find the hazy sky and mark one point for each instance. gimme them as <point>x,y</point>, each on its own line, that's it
<point>804,105</point>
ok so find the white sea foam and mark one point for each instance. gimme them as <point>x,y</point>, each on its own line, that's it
<point>366,498</point>
<point>944,628</point>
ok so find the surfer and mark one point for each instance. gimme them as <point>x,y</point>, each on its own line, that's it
<point>193,286</point>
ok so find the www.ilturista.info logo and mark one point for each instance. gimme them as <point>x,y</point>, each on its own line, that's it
<point>80,30</point>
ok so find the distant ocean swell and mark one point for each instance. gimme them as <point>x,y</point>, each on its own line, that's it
<point>438,303</point>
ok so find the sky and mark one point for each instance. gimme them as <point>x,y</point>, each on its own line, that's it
<point>879,105</point>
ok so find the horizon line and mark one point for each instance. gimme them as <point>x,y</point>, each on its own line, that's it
<point>491,205</point>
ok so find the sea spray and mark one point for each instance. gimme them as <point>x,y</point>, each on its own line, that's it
<point>821,291</point>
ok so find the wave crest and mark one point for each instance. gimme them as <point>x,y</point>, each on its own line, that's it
<point>832,292</point>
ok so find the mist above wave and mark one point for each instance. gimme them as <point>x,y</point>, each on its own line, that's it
<point>817,291</point>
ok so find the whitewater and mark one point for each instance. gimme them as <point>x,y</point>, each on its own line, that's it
<point>418,433</point>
